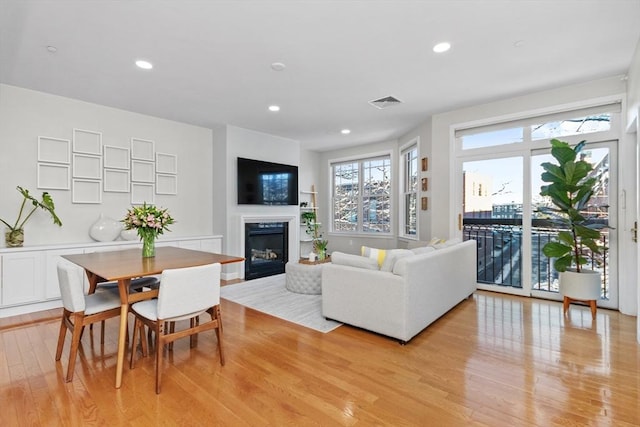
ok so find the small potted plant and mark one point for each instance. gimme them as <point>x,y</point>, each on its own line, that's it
<point>572,184</point>
<point>14,236</point>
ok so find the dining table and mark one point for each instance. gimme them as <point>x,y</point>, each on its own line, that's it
<point>123,265</point>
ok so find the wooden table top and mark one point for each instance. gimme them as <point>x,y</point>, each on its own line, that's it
<point>128,263</point>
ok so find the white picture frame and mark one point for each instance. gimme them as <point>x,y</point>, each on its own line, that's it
<point>86,191</point>
<point>141,193</point>
<point>116,157</point>
<point>53,176</point>
<point>54,150</point>
<point>86,166</point>
<point>115,181</point>
<point>87,142</point>
<point>166,184</point>
<point>142,171</point>
<point>166,163</point>
<point>142,149</point>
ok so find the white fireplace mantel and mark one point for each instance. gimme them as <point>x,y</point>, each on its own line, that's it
<point>294,230</point>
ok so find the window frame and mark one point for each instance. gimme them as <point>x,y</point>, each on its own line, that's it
<point>360,160</point>
<point>403,191</point>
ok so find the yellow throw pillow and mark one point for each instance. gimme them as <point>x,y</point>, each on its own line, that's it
<point>377,254</point>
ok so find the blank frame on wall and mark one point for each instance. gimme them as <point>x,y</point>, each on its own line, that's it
<point>142,149</point>
<point>53,150</point>
<point>141,193</point>
<point>87,142</point>
<point>53,176</point>
<point>86,191</point>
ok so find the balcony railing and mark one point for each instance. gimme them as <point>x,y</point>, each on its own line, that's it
<point>500,253</point>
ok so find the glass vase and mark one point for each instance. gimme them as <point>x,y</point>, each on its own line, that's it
<point>322,254</point>
<point>148,246</point>
<point>14,238</point>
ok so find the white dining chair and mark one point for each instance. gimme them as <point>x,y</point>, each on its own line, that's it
<point>80,310</point>
<point>184,294</point>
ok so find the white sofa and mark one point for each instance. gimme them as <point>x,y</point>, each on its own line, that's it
<point>402,302</point>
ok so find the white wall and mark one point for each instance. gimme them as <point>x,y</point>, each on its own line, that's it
<point>633,116</point>
<point>27,114</point>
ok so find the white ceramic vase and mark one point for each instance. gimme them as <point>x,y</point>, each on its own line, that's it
<point>105,229</point>
<point>583,286</point>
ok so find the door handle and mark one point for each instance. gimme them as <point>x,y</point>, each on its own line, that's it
<point>634,232</point>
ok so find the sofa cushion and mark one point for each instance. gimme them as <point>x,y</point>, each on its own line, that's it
<point>447,243</point>
<point>392,257</point>
<point>341,258</point>
<point>378,254</point>
<point>423,250</point>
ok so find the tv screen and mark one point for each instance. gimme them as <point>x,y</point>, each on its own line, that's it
<point>266,183</point>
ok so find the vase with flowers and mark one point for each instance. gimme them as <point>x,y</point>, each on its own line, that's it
<point>150,222</point>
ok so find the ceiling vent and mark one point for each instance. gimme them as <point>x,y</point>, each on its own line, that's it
<point>387,101</point>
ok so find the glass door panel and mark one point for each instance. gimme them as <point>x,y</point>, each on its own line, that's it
<point>544,278</point>
<point>492,215</point>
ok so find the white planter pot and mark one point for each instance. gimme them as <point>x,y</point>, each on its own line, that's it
<point>583,286</point>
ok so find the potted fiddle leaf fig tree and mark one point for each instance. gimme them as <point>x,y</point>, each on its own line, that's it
<point>571,184</point>
<point>14,236</point>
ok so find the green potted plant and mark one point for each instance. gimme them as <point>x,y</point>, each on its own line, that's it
<point>572,184</point>
<point>14,236</point>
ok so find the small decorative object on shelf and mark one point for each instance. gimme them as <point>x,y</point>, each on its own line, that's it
<point>14,236</point>
<point>150,222</point>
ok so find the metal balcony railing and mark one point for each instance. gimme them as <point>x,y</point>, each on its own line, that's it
<point>499,243</point>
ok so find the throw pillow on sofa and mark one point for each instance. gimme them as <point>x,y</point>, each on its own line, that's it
<point>394,255</point>
<point>378,254</point>
<point>423,250</point>
<point>351,260</point>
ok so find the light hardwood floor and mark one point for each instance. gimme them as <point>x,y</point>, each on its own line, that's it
<point>494,360</point>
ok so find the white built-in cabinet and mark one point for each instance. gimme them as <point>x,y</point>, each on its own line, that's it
<point>29,278</point>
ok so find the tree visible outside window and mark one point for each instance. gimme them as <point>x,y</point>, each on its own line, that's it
<point>361,196</point>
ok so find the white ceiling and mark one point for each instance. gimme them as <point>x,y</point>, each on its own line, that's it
<point>212,58</point>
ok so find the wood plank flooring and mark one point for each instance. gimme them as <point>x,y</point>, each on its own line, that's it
<point>494,360</point>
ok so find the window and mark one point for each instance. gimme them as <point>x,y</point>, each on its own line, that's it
<point>361,196</point>
<point>409,191</point>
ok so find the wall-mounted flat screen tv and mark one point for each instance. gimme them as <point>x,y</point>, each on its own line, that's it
<point>266,183</point>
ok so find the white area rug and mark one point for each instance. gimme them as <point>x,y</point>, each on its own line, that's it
<point>269,295</point>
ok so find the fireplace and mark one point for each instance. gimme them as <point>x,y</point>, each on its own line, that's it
<point>265,248</point>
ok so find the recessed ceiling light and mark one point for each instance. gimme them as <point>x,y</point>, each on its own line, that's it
<point>345,131</point>
<point>145,65</point>
<point>274,108</point>
<point>518,43</point>
<point>442,47</point>
<point>278,66</point>
<point>52,49</point>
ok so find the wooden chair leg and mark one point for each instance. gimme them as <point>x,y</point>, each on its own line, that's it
<point>132,358</point>
<point>143,341</point>
<point>159,353</point>
<point>193,339</point>
<point>75,343</point>
<point>62,334</point>
<point>218,316</point>
<point>594,308</point>
<point>102,332</point>
<point>172,329</point>
<point>565,304</point>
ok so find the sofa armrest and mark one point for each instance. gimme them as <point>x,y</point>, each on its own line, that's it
<point>369,299</point>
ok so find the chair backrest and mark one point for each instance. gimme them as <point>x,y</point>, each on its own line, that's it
<point>71,287</point>
<point>188,290</point>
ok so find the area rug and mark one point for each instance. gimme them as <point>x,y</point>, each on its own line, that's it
<point>269,295</point>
